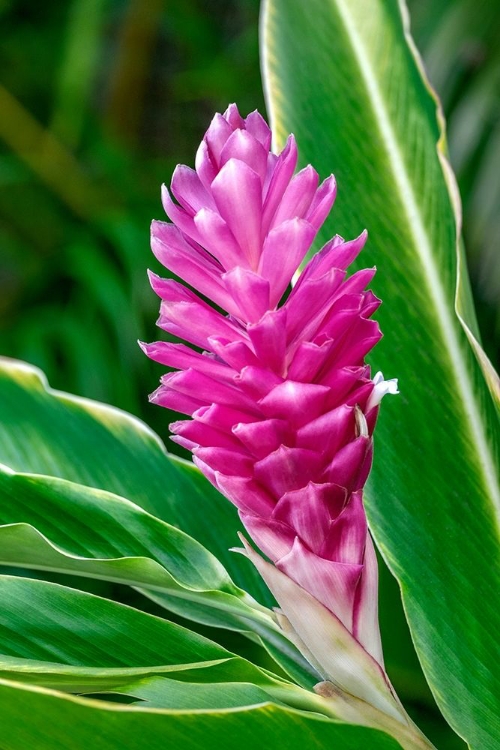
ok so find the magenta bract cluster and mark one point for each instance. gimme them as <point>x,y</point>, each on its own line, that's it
<point>281,403</point>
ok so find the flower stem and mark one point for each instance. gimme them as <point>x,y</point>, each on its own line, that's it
<point>346,707</point>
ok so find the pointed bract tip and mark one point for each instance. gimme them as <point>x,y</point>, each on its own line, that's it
<point>239,551</point>
<point>246,550</point>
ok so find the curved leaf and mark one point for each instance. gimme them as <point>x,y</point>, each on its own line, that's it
<point>85,680</point>
<point>35,717</point>
<point>71,640</point>
<point>161,692</point>
<point>51,623</point>
<point>52,524</point>
<point>77,641</point>
<point>464,304</point>
<point>346,82</point>
<point>43,431</point>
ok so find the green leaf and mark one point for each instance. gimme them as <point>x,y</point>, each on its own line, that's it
<point>51,623</point>
<point>347,82</point>
<point>91,679</point>
<point>43,431</point>
<point>86,524</point>
<point>52,524</point>
<point>71,640</point>
<point>35,717</point>
<point>74,641</point>
<point>161,692</point>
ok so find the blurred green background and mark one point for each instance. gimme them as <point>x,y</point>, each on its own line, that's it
<point>99,99</point>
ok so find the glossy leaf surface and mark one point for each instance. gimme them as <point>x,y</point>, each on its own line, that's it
<point>34,717</point>
<point>347,83</point>
<point>77,642</point>
<point>43,431</point>
<point>96,534</point>
<point>73,641</point>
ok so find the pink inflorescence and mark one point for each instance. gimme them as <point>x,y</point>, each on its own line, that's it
<point>281,404</point>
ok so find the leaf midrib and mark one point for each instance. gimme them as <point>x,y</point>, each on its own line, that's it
<point>418,233</point>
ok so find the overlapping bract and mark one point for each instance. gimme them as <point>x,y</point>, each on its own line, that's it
<point>282,404</point>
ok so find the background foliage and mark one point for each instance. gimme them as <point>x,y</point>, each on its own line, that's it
<point>100,99</point>
<point>126,92</point>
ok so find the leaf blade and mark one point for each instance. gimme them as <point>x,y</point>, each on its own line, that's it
<point>52,524</point>
<point>362,107</point>
<point>48,432</point>
<point>105,727</point>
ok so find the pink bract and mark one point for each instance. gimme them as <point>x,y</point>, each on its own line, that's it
<point>281,403</point>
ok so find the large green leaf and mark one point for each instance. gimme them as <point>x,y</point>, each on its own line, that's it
<point>52,524</point>
<point>343,77</point>
<point>73,641</point>
<point>46,621</point>
<point>43,431</point>
<point>78,642</point>
<point>36,717</point>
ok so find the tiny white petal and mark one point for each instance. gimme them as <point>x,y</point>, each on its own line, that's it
<point>381,388</point>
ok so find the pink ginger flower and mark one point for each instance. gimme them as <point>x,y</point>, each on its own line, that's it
<point>281,403</point>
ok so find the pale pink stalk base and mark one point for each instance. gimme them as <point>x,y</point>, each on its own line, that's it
<point>281,402</point>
